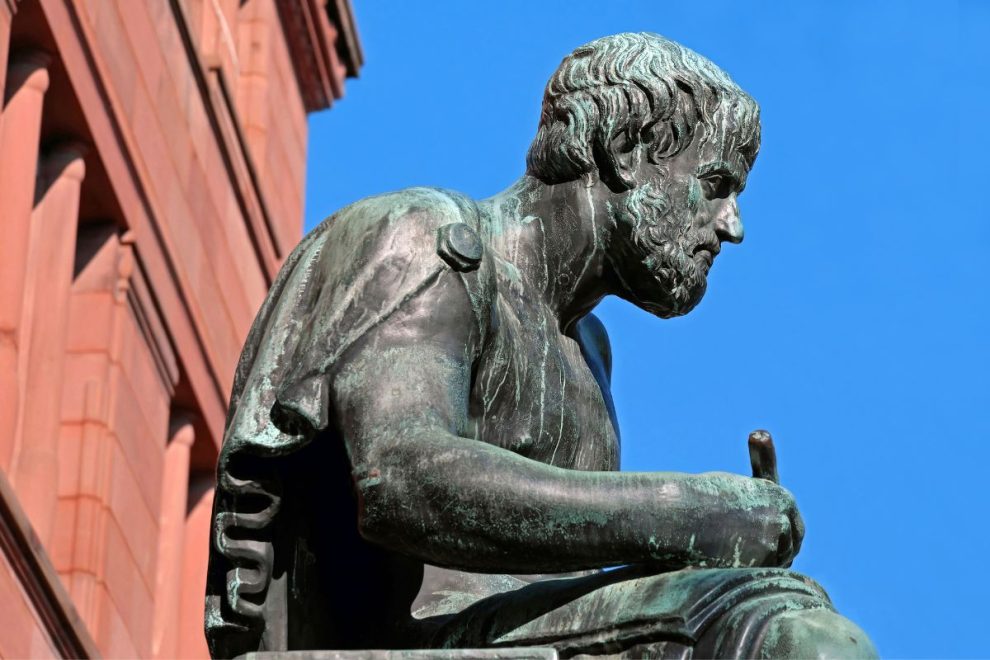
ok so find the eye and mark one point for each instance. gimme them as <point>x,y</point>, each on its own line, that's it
<point>716,186</point>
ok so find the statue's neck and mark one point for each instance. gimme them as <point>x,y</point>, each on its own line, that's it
<point>555,236</point>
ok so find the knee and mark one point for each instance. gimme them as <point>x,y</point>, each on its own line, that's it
<point>815,634</point>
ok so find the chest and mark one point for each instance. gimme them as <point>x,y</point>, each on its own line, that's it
<point>535,394</point>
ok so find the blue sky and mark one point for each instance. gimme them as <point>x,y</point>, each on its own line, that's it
<point>852,322</point>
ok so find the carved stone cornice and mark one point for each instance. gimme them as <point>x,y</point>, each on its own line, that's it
<point>348,44</point>
<point>323,46</point>
<point>36,575</point>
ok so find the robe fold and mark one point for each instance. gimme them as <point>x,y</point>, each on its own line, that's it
<point>347,276</point>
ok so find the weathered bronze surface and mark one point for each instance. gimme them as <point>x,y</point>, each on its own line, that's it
<point>421,418</point>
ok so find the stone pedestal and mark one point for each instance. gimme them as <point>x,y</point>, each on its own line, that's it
<point>533,653</point>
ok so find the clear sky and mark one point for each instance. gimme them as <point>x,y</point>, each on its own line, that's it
<point>852,322</point>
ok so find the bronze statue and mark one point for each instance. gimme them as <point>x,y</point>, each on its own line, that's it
<point>421,437</point>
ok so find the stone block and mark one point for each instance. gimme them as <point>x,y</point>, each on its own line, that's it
<point>528,653</point>
<point>127,588</point>
<point>114,638</point>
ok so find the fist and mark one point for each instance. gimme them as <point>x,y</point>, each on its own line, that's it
<point>756,522</point>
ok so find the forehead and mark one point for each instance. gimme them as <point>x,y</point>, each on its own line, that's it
<point>721,156</point>
<point>731,134</point>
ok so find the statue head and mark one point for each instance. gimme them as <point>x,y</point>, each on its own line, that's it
<point>672,138</point>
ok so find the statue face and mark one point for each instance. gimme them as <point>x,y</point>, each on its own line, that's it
<point>672,224</point>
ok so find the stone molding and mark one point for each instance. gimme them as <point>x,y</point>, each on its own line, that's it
<point>232,148</point>
<point>134,284</point>
<point>348,43</point>
<point>36,575</point>
<point>315,45</point>
<point>117,151</point>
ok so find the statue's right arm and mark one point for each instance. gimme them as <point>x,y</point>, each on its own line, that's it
<point>427,489</point>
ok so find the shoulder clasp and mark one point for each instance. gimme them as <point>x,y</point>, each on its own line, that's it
<point>459,246</point>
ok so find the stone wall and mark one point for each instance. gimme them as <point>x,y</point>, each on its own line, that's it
<point>152,163</point>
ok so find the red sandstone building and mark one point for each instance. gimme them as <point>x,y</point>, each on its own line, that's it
<point>152,157</point>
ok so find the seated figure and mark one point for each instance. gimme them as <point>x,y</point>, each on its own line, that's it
<point>421,450</point>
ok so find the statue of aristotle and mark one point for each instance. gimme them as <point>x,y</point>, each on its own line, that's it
<point>421,450</point>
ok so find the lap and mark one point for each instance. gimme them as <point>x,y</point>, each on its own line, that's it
<point>725,610</point>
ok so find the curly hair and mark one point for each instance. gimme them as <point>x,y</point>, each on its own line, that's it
<point>658,92</point>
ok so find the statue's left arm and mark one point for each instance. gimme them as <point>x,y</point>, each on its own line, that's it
<point>427,488</point>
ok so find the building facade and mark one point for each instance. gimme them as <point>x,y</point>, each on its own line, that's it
<point>152,157</point>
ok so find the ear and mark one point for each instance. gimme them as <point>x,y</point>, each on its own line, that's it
<point>617,161</point>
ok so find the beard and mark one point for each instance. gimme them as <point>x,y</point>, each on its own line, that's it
<point>670,278</point>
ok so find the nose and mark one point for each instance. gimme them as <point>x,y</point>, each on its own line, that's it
<point>728,224</point>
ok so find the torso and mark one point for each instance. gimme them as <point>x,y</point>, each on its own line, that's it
<point>543,394</point>
<point>553,405</point>
<point>535,391</point>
